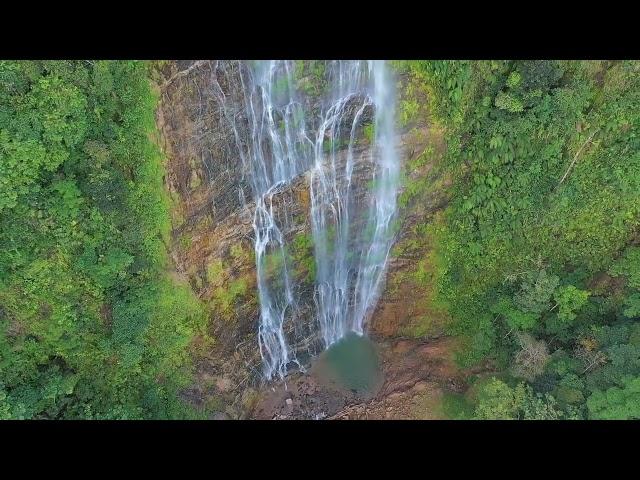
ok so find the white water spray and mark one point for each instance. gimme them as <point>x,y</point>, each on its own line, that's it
<point>351,241</point>
<point>351,263</point>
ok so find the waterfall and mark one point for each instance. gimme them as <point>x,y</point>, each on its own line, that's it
<point>283,135</point>
<point>342,305</point>
<point>383,205</point>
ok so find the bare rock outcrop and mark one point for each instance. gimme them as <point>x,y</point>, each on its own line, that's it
<point>212,242</point>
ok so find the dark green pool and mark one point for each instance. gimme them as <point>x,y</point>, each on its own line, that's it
<point>352,363</point>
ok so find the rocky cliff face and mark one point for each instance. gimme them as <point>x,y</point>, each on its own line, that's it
<point>212,234</point>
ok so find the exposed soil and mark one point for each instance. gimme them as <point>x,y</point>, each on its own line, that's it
<point>415,375</point>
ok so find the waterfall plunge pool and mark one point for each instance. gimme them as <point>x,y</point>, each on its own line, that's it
<point>352,363</point>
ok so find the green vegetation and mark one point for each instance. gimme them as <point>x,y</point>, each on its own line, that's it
<point>230,287</point>
<point>297,257</point>
<point>309,76</point>
<point>534,263</point>
<point>536,255</point>
<point>456,407</point>
<point>301,253</point>
<point>226,297</point>
<point>91,325</point>
<point>369,132</point>
<point>499,401</point>
<point>334,145</point>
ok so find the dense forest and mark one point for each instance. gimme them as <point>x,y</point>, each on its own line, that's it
<point>536,257</point>
<point>538,253</point>
<point>91,325</point>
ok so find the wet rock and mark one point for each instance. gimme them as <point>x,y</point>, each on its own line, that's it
<point>213,217</point>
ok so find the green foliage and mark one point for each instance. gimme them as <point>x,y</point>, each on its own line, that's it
<point>456,407</point>
<point>310,76</point>
<point>225,296</point>
<point>628,266</point>
<point>447,83</point>
<point>297,257</point>
<point>301,253</point>
<point>241,254</point>
<point>632,304</point>
<point>616,403</point>
<point>536,291</point>
<point>274,263</point>
<point>42,119</point>
<point>506,101</point>
<point>544,158</point>
<point>215,271</point>
<point>514,79</point>
<point>570,300</point>
<point>514,318</point>
<point>369,132</point>
<point>499,401</point>
<point>536,406</point>
<point>90,324</point>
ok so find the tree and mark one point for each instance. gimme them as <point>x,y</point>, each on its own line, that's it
<point>512,134</point>
<point>569,299</point>
<point>632,306</point>
<point>515,318</point>
<point>91,325</point>
<point>536,291</point>
<point>498,401</point>
<point>587,351</point>
<point>536,406</point>
<point>532,357</point>
<point>616,403</point>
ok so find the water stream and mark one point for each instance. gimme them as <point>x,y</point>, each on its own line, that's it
<point>284,134</point>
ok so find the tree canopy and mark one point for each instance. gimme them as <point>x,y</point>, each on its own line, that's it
<point>91,326</point>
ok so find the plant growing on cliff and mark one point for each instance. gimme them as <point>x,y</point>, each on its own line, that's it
<point>310,76</point>
<point>225,296</point>
<point>301,251</point>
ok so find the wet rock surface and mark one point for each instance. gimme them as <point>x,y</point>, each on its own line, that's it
<point>212,248</point>
<point>212,238</point>
<point>415,374</point>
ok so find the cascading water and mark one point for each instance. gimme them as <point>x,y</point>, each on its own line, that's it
<point>280,137</point>
<point>343,305</point>
<point>383,206</point>
<point>273,156</point>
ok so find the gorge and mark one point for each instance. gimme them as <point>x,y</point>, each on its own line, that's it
<point>319,239</point>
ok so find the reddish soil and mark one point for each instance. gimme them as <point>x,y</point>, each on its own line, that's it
<point>416,373</point>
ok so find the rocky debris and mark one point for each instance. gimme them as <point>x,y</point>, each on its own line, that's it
<point>221,416</point>
<point>224,384</point>
<point>302,397</point>
<point>420,387</point>
<point>416,373</point>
